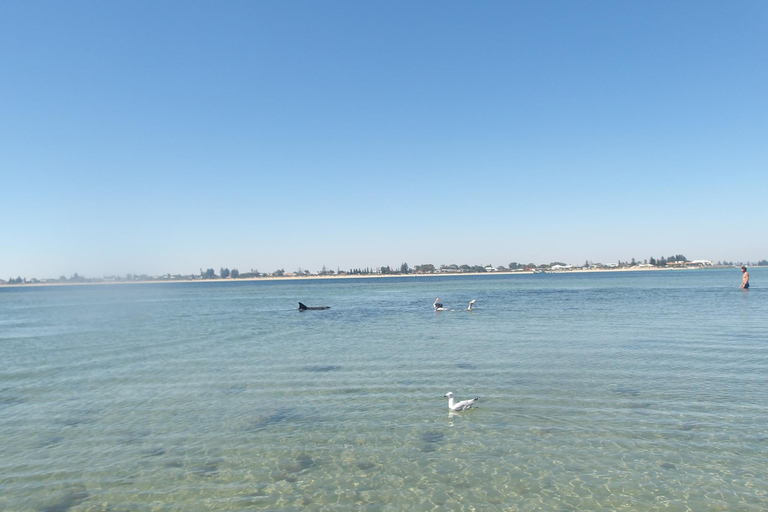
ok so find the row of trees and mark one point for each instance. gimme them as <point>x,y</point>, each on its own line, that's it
<point>225,273</point>
<point>662,262</point>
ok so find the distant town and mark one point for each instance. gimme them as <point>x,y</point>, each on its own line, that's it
<point>677,261</point>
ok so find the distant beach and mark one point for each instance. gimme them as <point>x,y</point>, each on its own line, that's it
<point>338,276</point>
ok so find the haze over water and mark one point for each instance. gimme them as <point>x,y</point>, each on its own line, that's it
<point>631,390</point>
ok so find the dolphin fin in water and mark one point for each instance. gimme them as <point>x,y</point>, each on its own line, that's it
<point>302,307</point>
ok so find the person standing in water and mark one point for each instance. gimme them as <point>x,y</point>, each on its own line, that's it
<point>744,278</point>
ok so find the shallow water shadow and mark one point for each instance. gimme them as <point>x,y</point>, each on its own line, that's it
<point>466,366</point>
<point>626,391</point>
<point>51,441</point>
<point>154,452</point>
<point>303,461</point>
<point>432,437</point>
<point>9,398</point>
<point>234,390</point>
<point>322,369</point>
<point>69,501</point>
<point>135,437</point>
<point>288,472</point>
<point>544,431</point>
<point>639,405</point>
<point>208,469</point>
<point>83,417</point>
<point>353,391</point>
<point>266,420</point>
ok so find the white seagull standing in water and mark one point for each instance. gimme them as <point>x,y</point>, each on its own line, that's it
<point>460,406</point>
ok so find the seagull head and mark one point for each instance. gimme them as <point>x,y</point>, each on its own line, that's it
<point>448,395</point>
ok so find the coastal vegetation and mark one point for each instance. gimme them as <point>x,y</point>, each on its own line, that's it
<point>676,261</point>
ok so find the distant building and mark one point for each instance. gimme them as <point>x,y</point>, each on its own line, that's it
<point>700,263</point>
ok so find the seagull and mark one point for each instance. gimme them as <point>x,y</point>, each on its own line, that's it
<point>438,305</point>
<point>460,406</point>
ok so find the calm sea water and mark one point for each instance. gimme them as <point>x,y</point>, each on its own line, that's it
<point>634,391</point>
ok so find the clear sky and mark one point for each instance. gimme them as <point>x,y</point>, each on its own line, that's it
<point>164,137</point>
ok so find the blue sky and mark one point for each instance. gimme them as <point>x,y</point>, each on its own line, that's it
<point>155,137</point>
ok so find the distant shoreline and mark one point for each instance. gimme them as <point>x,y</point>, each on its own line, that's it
<point>336,277</point>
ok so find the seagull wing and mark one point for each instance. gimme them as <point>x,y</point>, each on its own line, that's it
<point>466,404</point>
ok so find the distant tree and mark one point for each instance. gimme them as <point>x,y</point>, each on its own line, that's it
<point>279,273</point>
<point>234,274</point>
<point>762,263</point>
<point>224,273</point>
<point>404,269</point>
<point>209,274</point>
<point>514,265</point>
<point>633,262</point>
<point>425,268</point>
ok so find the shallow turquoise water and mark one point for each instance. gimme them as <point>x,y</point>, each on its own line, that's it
<point>635,391</point>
